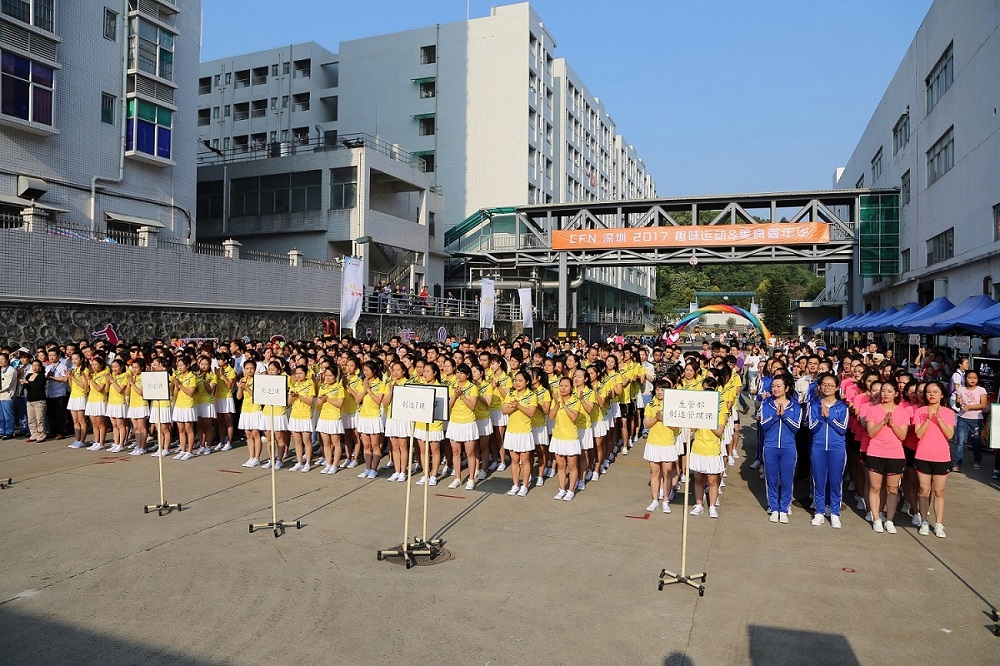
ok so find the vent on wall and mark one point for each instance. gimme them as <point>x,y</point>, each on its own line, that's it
<point>28,41</point>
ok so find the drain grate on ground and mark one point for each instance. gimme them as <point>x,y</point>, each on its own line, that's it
<point>443,555</point>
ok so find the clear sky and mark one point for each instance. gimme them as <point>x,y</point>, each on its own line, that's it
<point>717,96</point>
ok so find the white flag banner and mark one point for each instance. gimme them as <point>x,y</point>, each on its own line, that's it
<point>526,314</point>
<point>352,293</point>
<point>487,304</point>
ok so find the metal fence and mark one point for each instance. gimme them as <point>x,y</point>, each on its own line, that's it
<point>264,257</point>
<point>323,265</point>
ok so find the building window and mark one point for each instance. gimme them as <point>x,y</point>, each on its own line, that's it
<point>26,88</point>
<point>940,78</point>
<point>343,188</point>
<point>428,54</point>
<point>284,101</point>
<point>877,166</point>
<point>229,78</point>
<point>861,182</point>
<point>204,85</point>
<point>941,156</point>
<point>276,194</point>
<point>204,117</point>
<point>901,132</point>
<point>996,222</point>
<point>426,127</point>
<point>904,189</point>
<point>151,49</point>
<point>227,110</point>
<point>108,109</point>
<point>110,25</point>
<point>274,69</point>
<point>149,128</point>
<point>274,103</point>
<point>284,67</point>
<point>428,89</point>
<point>941,247</point>
<point>38,13</point>
<point>904,261</point>
<point>428,161</point>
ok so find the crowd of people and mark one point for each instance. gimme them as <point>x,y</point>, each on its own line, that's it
<point>536,410</point>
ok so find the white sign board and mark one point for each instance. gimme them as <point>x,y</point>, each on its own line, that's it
<point>914,339</point>
<point>995,427</point>
<point>413,403</point>
<point>155,386</point>
<point>270,390</point>
<point>691,409</point>
<point>963,343</point>
<point>442,405</point>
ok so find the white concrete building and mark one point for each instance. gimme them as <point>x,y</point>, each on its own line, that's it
<point>97,121</point>
<point>935,135</point>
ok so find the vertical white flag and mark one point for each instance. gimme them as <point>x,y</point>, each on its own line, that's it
<point>352,293</point>
<point>487,304</point>
<point>525,294</point>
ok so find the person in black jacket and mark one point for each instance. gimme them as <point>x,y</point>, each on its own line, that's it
<point>33,384</point>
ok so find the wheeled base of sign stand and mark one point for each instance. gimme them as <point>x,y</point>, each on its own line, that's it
<point>669,578</point>
<point>419,548</point>
<point>995,616</point>
<point>278,526</point>
<point>4,486</point>
<point>162,507</point>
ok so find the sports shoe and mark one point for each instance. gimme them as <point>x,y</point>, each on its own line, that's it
<point>278,464</point>
<point>877,526</point>
<point>713,512</point>
<point>722,483</point>
<point>595,477</point>
<point>774,517</point>
<point>732,462</point>
<point>96,446</point>
<point>861,504</point>
<point>217,447</point>
<point>493,466</point>
<point>545,472</point>
<point>113,449</point>
<point>917,521</point>
<point>306,467</point>
<point>783,518</point>
<point>755,464</point>
<point>580,485</point>
<point>363,474</point>
<point>254,462</point>
<point>247,463</point>
<point>925,528</point>
<point>625,451</point>
<point>266,464</point>
<point>187,456</point>
<point>670,496</point>
<point>868,516</point>
<point>513,490</point>
<point>455,484</point>
<point>445,471</point>
<point>560,494</point>
<point>939,531</point>
<point>697,510</point>
<point>76,445</point>
<point>179,455</point>
<point>850,487</point>
<point>471,485</point>
<point>372,474</point>
<point>523,492</point>
<point>433,481</point>
<point>296,467</point>
<point>550,472</point>
<point>351,464</point>
<point>666,508</point>
<point>905,508</point>
<point>653,506</point>
<point>817,520</point>
<point>736,454</point>
<point>835,521</point>
<point>394,476</point>
<point>568,497</point>
<point>481,476</point>
<point>996,474</point>
<point>227,446</point>
<point>501,467</point>
<point>421,480</point>
<point>975,465</point>
<point>589,475</point>
<point>684,478</point>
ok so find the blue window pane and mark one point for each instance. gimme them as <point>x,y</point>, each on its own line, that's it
<point>163,142</point>
<point>130,134</point>
<point>16,65</point>
<point>145,137</point>
<point>41,75</point>
<point>14,94</point>
<point>41,110</point>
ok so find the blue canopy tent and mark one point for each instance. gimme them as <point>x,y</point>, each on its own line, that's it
<point>885,323</point>
<point>983,322</point>
<point>932,309</point>
<point>839,325</point>
<point>946,320</point>
<point>822,326</point>
<point>859,323</point>
<point>876,319</point>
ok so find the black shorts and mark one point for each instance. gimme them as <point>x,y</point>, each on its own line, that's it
<point>853,445</point>
<point>911,456</point>
<point>932,468</point>
<point>627,409</point>
<point>885,465</point>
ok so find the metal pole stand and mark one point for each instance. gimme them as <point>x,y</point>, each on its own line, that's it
<point>669,577</point>
<point>419,546</point>
<point>163,505</point>
<point>277,525</point>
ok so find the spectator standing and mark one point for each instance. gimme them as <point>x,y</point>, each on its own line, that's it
<point>33,383</point>
<point>8,383</point>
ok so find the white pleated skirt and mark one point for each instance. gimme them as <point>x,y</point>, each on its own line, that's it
<point>77,404</point>
<point>485,427</point>
<point>541,435</point>
<point>249,421</point>
<point>462,432</point>
<point>330,426</point>
<point>498,417</point>
<point>204,410</point>
<point>160,416</point>
<point>116,411</point>
<point>225,405</point>
<point>564,447</point>
<point>706,464</point>
<point>586,437</point>
<point>96,409</point>
<point>657,453</point>
<point>428,435</point>
<point>349,420</point>
<point>300,425</point>
<point>138,412</point>
<point>184,415</point>
<point>600,428</point>
<point>397,428</point>
<point>518,442</point>
<point>368,425</point>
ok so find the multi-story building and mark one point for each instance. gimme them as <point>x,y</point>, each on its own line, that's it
<point>494,116</point>
<point>935,136</point>
<point>96,125</point>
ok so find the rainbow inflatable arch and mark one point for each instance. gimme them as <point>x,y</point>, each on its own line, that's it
<point>724,309</point>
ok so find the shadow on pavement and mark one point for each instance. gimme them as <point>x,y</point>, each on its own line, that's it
<point>774,646</point>
<point>27,639</point>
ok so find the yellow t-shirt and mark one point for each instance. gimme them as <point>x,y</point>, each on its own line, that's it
<point>205,388</point>
<point>518,422</point>
<point>221,390</point>
<point>369,408</point>
<point>389,382</point>
<point>116,396</point>
<point>96,395</point>
<point>433,426</point>
<point>328,411</point>
<point>460,412</point>
<point>182,400</point>
<point>659,434</point>
<point>503,384</point>
<point>543,399</point>
<point>706,442</point>
<point>353,383</point>
<point>77,375</point>
<point>249,406</point>
<point>482,410</point>
<point>135,394</point>
<point>565,428</point>
<point>583,417</point>
<point>300,408</point>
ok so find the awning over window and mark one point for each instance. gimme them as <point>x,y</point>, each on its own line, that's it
<point>421,116</point>
<point>137,221</point>
<point>11,200</point>
<point>424,79</point>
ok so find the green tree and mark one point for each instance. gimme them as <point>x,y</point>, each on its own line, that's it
<point>774,298</point>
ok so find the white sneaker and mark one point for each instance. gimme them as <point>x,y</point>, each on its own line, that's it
<point>925,528</point>
<point>247,463</point>
<point>364,474</point>
<point>540,481</point>
<point>550,473</point>
<point>373,474</point>
<point>589,475</point>
<point>580,485</point>
<point>76,445</point>
<point>666,508</point>
<point>697,510</point>
<point>713,512</point>
<point>939,531</point>
<point>684,478</point>
<point>625,451</point>
<point>890,527</point>
<point>783,518</point>
<point>433,481</point>
<point>278,464</point>
<point>868,516</point>
<point>266,464</point>
<point>568,497</point>
<point>296,467</point>
<point>523,492</point>
<point>394,476</point>
<point>595,477</point>
<point>817,520</point>
<point>917,521</point>
<point>421,481</point>
<point>306,467</point>
<point>732,462</point>
<point>187,456</point>
<point>351,464</point>
<point>179,456</point>
<point>653,506</point>
<point>456,483</point>
<point>254,462</point>
<point>905,508</point>
<point>774,517</point>
<point>877,526</point>
<point>861,504</point>
<point>470,485</point>
<point>115,449</point>
<point>96,446</point>
<point>493,466</point>
<point>226,447</point>
<point>560,494</point>
<point>501,467</point>
<point>835,521</point>
<point>217,447</point>
<point>513,490</point>
<point>736,454</point>
<point>445,471</point>
<point>755,464</point>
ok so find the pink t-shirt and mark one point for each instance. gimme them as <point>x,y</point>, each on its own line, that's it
<point>860,404</point>
<point>848,389</point>
<point>911,435</point>
<point>933,446</point>
<point>970,396</point>
<point>885,444</point>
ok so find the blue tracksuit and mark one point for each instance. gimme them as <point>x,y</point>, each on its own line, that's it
<point>765,391</point>
<point>779,452</point>
<point>829,454</point>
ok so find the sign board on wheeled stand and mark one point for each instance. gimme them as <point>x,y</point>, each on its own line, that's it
<point>271,391</point>
<point>156,386</point>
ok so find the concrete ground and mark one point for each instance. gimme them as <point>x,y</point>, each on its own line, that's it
<point>86,577</point>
